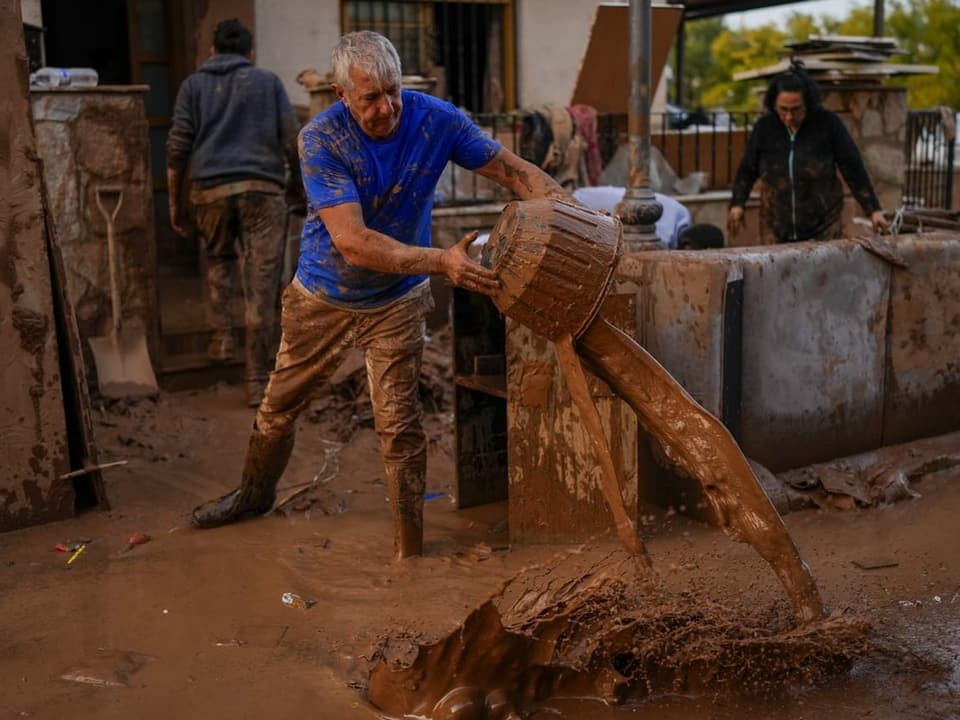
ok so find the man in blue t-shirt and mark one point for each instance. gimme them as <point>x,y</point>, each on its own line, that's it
<point>370,166</point>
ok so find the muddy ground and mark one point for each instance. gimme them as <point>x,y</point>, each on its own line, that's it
<point>191,623</point>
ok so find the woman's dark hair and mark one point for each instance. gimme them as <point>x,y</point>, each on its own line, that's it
<point>230,36</point>
<point>795,79</point>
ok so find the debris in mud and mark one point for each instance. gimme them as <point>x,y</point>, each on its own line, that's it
<point>296,601</point>
<point>110,669</point>
<point>302,497</point>
<point>595,625</point>
<point>875,563</point>
<point>346,406</point>
<point>879,477</point>
<point>136,538</point>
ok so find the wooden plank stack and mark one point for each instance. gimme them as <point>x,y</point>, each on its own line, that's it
<point>842,58</point>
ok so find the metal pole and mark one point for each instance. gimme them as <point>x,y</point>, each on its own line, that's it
<point>639,209</point>
<point>681,49</point>
<point>878,21</point>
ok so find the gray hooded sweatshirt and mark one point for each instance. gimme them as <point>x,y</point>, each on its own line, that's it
<point>232,121</point>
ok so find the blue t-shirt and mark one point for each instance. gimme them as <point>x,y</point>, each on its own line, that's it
<point>394,182</point>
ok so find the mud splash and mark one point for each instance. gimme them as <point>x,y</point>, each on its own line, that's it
<point>591,624</point>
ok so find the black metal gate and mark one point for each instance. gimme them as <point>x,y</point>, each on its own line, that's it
<point>929,155</point>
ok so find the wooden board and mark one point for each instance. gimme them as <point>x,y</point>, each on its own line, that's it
<point>603,80</point>
<point>33,450</point>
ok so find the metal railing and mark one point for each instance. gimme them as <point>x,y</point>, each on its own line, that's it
<point>712,144</point>
<point>707,143</point>
<point>929,159</point>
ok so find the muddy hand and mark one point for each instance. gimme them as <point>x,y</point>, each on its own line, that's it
<point>879,221</point>
<point>175,221</point>
<point>735,220</point>
<point>466,273</point>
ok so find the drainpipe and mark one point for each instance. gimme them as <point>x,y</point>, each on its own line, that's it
<point>639,209</point>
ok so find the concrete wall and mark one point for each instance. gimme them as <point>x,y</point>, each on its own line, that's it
<point>840,350</point>
<point>551,38</point>
<point>87,139</point>
<point>31,12</point>
<point>295,35</point>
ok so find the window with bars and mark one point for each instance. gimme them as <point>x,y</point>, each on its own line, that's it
<point>463,48</point>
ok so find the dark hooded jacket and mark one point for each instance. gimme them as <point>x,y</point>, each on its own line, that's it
<point>232,121</point>
<point>801,194</point>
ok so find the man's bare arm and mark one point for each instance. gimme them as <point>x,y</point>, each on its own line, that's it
<point>373,250</point>
<point>523,178</point>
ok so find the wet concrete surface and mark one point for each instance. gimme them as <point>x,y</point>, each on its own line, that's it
<point>191,623</point>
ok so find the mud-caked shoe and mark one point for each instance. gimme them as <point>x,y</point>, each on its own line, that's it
<point>236,505</point>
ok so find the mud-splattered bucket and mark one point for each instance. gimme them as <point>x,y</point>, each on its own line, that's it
<point>555,261</point>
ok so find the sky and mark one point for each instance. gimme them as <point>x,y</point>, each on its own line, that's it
<point>838,9</point>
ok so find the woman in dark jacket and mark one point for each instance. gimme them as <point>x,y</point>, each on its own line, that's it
<point>795,150</point>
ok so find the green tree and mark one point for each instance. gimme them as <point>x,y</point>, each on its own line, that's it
<point>858,23</point>
<point>741,50</point>
<point>929,33</point>
<point>800,27</point>
<point>699,67</point>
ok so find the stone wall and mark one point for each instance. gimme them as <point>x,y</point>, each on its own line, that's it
<point>877,119</point>
<point>89,139</point>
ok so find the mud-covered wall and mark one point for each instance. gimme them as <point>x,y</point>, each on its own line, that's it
<point>555,481</point>
<point>33,443</point>
<point>89,139</point>
<point>840,351</point>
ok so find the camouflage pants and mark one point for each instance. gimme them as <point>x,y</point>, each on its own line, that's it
<point>245,232</point>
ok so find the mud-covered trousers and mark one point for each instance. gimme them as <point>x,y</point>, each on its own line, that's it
<point>316,337</point>
<point>246,229</point>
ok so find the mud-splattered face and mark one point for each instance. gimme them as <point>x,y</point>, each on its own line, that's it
<point>375,107</point>
<point>790,109</point>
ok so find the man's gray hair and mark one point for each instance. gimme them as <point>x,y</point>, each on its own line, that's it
<point>367,51</point>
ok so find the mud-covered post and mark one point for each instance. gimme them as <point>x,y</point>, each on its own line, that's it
<point>639,209</point>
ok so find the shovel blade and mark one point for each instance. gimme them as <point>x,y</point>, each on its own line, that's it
<point>123,365</point>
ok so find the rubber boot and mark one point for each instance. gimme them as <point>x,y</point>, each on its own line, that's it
<point>405,486</point>
<point>260,357</point>
<point>266,460</point>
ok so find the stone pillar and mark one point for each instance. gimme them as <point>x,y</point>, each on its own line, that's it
<point>877,119</point>
<point>86,138</point>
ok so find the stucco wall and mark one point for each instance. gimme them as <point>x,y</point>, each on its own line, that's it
<point>551,38</point>
<point>295,35</point>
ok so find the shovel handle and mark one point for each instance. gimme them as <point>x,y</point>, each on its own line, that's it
<point>109,217</point>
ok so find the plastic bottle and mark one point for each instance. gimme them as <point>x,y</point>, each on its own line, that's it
<point>51,77</point>
<point>48,77</point>
<point>83,77</point>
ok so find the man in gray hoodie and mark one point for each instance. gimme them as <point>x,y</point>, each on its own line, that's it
<point>233,129</point>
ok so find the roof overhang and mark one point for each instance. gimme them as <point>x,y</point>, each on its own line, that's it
<point>697,9</point>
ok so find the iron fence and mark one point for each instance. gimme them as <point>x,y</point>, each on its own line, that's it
<point>712,144</point>
<point>929,159</point>
<point>707,144</point>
